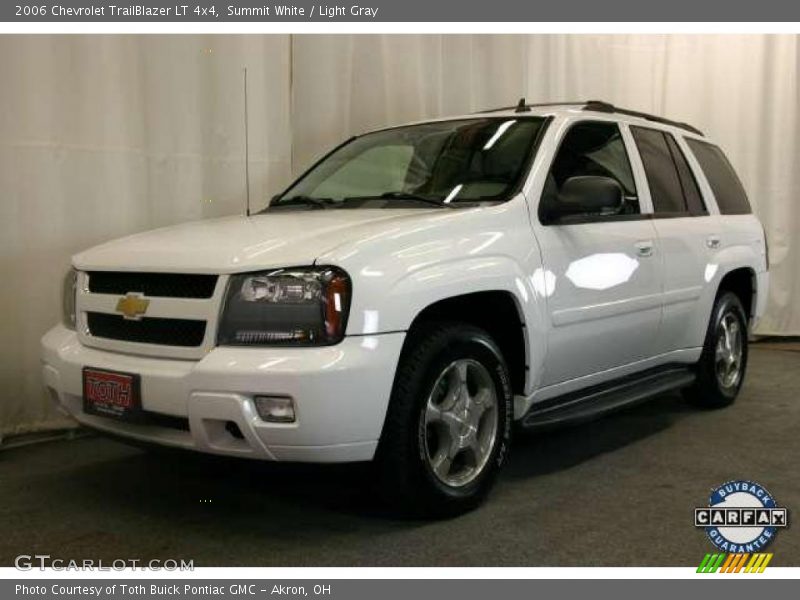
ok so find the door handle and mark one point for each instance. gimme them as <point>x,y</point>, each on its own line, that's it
<point>644,248</point>
<point>713,242</point>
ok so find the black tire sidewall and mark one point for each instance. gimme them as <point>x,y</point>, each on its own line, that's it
<point>476,345</point>
<point>406,480</point>
<point>727,303</point>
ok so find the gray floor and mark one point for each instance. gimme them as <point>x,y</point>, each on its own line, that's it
<point>617,492</point>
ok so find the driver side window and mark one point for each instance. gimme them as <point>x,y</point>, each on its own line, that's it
<point>592,148</point>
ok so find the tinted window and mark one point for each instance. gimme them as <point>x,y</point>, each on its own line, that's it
<point>691,193</point>
<point>728,191</point>
<point>448,161</point>
<point>592,148</point>
<point>662,176</point>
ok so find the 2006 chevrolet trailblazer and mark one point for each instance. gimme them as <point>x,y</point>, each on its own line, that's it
<point>418,290</point>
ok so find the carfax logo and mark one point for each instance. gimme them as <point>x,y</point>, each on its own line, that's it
<point>742,518</point>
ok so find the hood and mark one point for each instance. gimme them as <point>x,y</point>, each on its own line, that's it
<point>239,244</point>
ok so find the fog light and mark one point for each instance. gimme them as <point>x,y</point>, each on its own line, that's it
<point>275,409</point>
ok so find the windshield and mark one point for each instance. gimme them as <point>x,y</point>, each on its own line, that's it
<point>444,162</point>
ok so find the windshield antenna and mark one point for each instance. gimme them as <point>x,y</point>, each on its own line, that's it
<point>246,151</point>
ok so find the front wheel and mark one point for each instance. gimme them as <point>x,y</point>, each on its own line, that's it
<point>722,365</point>
<point>448,427</point>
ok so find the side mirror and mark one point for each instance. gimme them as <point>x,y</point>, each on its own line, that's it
<point>588,194</point>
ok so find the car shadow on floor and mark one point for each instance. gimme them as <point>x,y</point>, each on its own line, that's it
<point>200,486</point>
<point>553,450</point>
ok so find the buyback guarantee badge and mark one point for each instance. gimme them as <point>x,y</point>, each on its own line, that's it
<point>741,520</point>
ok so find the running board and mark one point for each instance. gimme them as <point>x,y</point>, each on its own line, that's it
<point>598,400</point>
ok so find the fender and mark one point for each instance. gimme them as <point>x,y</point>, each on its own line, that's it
<point>412,294</point>
<point>462,251</point>
<point>719,265</point>
<point>727,260</point>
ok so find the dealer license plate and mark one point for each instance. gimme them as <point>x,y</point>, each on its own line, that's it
<point>111,394</point>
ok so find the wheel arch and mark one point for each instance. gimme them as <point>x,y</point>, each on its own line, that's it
<point>743,282</point>
<point>499,313</point>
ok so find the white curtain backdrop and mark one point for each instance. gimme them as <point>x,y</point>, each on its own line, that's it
<point>106,135</point>
<point>101,136</point>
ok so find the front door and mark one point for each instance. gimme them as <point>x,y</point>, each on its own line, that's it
<point>601,277</point>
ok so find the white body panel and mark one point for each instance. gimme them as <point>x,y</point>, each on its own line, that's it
<point>602,284</point>
<point>336,420</point>
<point>240,244</point>
<point>600,293</point>
<point>597,300</point>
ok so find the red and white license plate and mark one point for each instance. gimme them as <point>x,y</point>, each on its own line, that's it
<point>111,394</point>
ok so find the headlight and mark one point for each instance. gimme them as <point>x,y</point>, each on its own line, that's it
<point>286,307</point>
<point>68,314</point>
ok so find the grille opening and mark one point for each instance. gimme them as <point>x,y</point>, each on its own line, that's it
<point>167,421</point>
<point>232,428</point>
<point>150,330</point>
<point>165,285</point>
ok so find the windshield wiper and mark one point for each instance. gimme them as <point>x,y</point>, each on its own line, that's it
<point>400,196</point>
<point>307,200</point>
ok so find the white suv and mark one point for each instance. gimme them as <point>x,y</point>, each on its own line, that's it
<point>420,289</point>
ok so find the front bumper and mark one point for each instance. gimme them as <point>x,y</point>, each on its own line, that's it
<point>340,392</point>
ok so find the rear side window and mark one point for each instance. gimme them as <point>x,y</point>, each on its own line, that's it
<point>728,191</point>
<point>694,199</point>
<point>673,188</point>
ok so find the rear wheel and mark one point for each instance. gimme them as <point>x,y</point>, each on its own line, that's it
<point>447,431</point>
<point>722,365</point>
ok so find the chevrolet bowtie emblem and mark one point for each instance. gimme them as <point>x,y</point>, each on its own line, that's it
<point>133,305</point>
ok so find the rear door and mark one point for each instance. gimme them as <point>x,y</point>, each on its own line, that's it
<point>688,236</point>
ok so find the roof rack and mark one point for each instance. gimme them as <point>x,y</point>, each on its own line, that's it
<point>597,106</point>
<point>522,106</point>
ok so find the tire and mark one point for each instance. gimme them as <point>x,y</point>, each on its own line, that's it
<point>440,450</point>
<point>722,365</point>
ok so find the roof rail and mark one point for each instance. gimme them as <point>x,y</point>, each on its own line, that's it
<point>523,106</point>
<point>598,106</point>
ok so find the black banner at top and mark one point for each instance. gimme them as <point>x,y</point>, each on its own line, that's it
<point>399,10</point>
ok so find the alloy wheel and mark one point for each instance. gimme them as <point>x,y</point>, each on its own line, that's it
<point>728,357</point>
<point>460,421</point>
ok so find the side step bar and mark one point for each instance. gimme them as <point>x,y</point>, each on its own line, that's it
<point>598,400</point>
